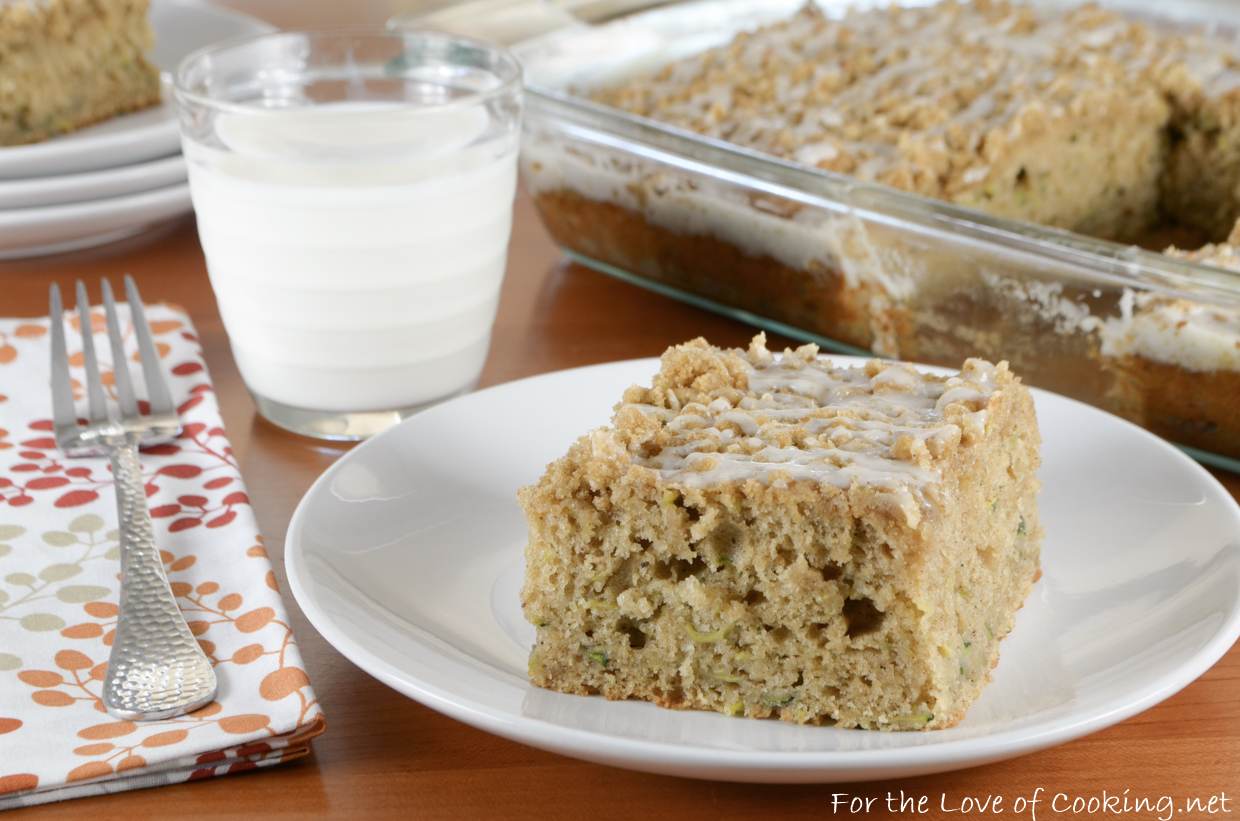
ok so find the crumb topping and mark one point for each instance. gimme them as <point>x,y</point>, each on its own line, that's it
<point>920,98</point>
<point>715,416</point>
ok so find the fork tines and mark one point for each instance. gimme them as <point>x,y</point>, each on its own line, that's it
<point>158,395</point>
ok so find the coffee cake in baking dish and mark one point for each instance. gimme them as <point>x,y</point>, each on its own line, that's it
<point>1023,114</point>
<point>1082,118</point>
<point>65,64</point>
<point>771,535</point>
<point>1079,118</point>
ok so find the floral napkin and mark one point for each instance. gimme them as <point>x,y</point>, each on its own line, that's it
<point>59,590</point>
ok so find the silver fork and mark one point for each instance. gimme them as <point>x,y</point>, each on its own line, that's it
<point>156,669</point>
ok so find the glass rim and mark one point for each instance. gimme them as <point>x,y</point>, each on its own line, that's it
<point>508,68</point>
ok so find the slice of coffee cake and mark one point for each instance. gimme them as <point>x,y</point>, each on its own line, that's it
<point>769,535</point>
<point>70,63</point>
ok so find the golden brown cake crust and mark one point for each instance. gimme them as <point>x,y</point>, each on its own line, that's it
<point>817,300</point>
<point>1198,409</point>
<point>768,536</point>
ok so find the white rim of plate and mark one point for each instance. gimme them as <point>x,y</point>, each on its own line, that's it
<point>105,183</point>
<point>63,228</point>
<point>24,217</point>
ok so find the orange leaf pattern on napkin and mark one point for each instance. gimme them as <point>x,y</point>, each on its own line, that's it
<point>58,591</point>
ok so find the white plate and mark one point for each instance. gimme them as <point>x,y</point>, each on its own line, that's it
<point>29,232</point>
<point>181,27</point>
<point>63,189</point>
<point>407,556</point>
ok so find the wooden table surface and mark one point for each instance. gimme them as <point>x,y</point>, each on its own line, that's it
<point>384,754</point>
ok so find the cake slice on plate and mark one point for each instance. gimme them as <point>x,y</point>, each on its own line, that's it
<point>773,535</point>
<point>65,64</point>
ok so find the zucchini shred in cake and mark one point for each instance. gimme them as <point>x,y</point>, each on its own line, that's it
<point>65,64</point>
<point>771,535</point>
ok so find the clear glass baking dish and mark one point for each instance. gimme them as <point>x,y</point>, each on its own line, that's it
<point>863,267</point>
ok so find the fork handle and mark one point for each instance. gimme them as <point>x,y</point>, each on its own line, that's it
<point>156,670</point>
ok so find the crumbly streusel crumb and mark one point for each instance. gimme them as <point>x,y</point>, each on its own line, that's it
<point>920,98</point>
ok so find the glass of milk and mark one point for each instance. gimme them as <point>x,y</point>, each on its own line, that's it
<point>354,196</point>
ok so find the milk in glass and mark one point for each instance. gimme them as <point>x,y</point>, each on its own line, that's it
<point>355,214</point>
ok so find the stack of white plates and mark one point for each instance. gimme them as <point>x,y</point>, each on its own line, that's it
<point>117,178</point>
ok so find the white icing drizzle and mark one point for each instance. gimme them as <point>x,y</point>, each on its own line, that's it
<point>882,426</point>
